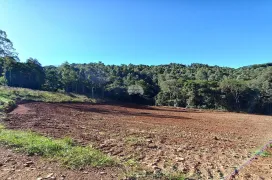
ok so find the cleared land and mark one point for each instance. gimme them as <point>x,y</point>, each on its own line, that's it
<point>260,168</point>
<point>17,166</point>
<point>201,144</point>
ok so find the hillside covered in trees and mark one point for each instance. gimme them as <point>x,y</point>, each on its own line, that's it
<point>246,89</point>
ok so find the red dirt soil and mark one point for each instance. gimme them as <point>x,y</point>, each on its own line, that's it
<point>16,166</point>
<point>260,168</point>
<point>21,109</point>
<point>203,144</point>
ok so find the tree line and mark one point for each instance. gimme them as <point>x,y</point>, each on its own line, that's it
<point>246,89</point>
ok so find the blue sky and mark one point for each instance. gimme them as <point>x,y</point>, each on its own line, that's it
<point>217,32</point>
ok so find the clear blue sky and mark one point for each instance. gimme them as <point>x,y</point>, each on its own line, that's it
<point>217,32</point>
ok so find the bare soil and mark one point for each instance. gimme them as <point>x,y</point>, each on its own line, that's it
<point>17,166</point>
<point>203,144</point>
<point>259,168</point>
<point>21,109</point>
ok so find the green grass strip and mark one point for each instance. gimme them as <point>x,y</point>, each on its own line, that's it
<point>62,150</point>
<point>9,96</point>
<point>9,93</point>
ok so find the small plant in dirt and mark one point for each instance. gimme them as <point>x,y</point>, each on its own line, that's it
<point>147,174</point>
<point>132,163</point>
<point>135,175</point>
<point>265,154</point>
<point>176,177</point>
<point>170,176</point>
<point>133,140</point>
<point>62,150</point>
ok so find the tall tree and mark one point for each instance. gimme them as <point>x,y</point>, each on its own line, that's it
<point>36,74</point>
<point>6,46</point>
<point>52,79</point>
<point>68,76</point>
<point>234,91</point>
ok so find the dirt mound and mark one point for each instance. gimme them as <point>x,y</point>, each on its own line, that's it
<point>207,145</point>
<point>22,109</point>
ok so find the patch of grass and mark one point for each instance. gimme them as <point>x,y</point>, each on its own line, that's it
<point>62,150</point>
<point>132,140</point>
<point>170,176</point>
<point>265,154</point>
<point>139,173</point>
<point>135,175</point>
<point>176,177</point>
<point>132,163</point>
<point>9,96</point>
<point>5,103</point>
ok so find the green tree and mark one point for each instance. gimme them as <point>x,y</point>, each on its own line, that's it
<point>68,76</point>
<point>52,79</point>
<point>233,93</point>
<point>202,74</point>
<point>36,74</point>
<point>6,46</point>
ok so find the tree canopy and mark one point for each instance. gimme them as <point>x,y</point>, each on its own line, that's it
<point>247,89</point>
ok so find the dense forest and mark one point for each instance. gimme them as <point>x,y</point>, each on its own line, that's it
<point>246,89</point>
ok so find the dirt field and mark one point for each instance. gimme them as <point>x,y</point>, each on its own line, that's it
<point>206,145</point>
<point>16,166</point>
<point>260,168</point>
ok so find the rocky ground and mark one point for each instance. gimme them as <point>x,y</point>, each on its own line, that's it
<point>201,144</point>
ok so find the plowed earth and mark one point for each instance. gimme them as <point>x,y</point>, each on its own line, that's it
<point>204,144</point>
<point>260,168</point>
<point>16,166</point>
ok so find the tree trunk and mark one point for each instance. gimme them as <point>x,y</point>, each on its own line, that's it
<point>83,89</point>
<point>10,77</point>
<point>237,101</point>
<point>102,93</point>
